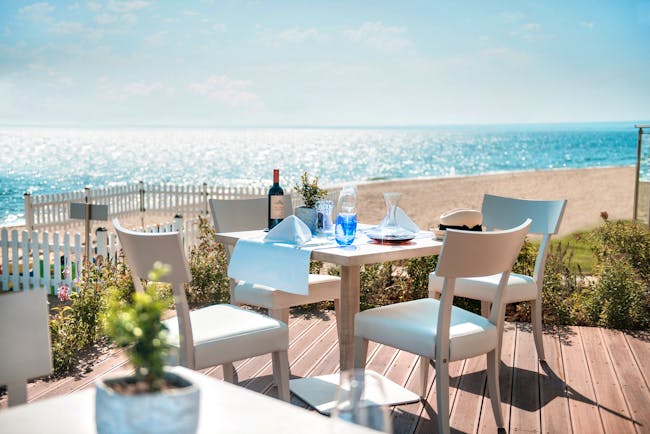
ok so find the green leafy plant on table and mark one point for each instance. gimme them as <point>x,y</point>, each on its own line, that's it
<point>309,190</point>
<point>137,326</point>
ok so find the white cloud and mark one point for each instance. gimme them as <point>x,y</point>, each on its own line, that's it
<point>220,27</point>
<point>103,19</point>
<point>531,32</point>
<point>142,88</point>
<point>121,7</point>
<point>300,35</point>
<point>512,16</point>
<point>222,88</point>
<point>531,27</point>
<point>67,28</point>
<point>190,13</point>
<point>157,39</point>
<point>504,53</point>
<point>588,24</point>
<point>37,11</point>
<point>379,36</point>
<point>94,6</point>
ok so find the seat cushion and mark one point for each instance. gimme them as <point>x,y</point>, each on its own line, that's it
<point>520,287</point>
<point>412,326</point>
<point>226,333</point>
<point>321,288</point>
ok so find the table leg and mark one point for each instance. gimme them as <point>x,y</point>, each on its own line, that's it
<point>350,283</point>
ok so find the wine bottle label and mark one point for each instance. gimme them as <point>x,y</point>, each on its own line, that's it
<point>277,207</point>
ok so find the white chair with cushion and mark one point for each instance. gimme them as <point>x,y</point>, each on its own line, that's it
<point>434,329</point>
<point>25,350</point>
<point>214,335</point>
<point>500,213</point>
<point>250,214</point>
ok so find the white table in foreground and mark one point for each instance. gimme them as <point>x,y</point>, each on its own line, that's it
<point>319,392</point>
<point>225,409</point>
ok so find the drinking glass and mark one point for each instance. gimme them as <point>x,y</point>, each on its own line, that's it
<point>324,208</point>
<point>360,399</point>
<point>346,229</point>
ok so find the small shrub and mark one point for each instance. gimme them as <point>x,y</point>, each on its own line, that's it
<point>562,286</point>
<point>78,325</point>
<point>617,298</point>
<point>209,268</point>
<point>617,239</point>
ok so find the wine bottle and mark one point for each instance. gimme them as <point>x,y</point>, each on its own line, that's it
<point>276,201</point>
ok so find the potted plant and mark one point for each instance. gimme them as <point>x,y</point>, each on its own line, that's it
<point>153,399</point>
<point>311,193</point>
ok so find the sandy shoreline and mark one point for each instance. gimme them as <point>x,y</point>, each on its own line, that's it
<point>589,191</point>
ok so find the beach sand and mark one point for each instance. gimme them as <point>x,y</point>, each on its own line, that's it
<point>589,192</point>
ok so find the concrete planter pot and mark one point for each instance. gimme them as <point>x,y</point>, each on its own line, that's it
<point>309,216</point>
<point>174,411</point>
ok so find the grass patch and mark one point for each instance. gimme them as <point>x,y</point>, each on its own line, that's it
<point>583,255</point>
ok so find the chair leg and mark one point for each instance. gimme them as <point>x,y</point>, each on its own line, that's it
<point>17,392</point>
<point>360,352</point>
<point>493,386</point>
<point>442,398</point>
<point>281,374</point>
<point>337,309</point>
<point>424,375</point>
<point>536,319</point>
<point>229,372</point>
<point>485,308</point>
<point>280,314</point>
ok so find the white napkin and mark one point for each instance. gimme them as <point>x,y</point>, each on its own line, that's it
<point>403,221</point>
<point>291,230</point>
<point>276,261</point>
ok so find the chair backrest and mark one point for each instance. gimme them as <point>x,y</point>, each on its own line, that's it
<point>473,254</point>
<point>142,250</point>
<point>232,215</point>
<point>25,350</point>
<point>505,212</point>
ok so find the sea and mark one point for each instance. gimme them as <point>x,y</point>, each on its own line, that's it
<point>43,160</point>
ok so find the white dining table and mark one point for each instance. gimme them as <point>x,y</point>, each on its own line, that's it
<point>225,408</point>
<point>350,258</point>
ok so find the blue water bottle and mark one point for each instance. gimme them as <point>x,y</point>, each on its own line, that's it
<point>346,221</point>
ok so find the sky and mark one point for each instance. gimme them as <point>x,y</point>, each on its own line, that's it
<point>230,63</point>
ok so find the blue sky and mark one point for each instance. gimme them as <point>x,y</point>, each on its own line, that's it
<point>323,63</point>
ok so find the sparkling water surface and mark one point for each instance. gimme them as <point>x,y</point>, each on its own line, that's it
<point>47,160</point>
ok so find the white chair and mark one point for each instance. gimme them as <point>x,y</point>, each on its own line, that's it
<point>501,213</point>
<point>250,214</point>
<point>434,329</point>
<point>214,335</point>
<point>25,350</point>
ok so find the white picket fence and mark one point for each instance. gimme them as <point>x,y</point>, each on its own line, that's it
<point>33,259</point>
<point>52,211</point>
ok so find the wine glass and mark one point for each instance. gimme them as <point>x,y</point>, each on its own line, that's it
<point>360,399</point>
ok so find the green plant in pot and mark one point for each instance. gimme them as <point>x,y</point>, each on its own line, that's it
<point>153,399</point>
<point>311,193</point>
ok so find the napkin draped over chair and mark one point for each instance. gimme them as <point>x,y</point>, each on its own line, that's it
<point>277,261</point>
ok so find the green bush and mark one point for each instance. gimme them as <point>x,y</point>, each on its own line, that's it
<point>624,239</point>
<point>209,269</point>
<point>77,325</point>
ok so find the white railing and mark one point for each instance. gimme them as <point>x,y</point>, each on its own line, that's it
<point>52,211</point>
<point>33,259</point>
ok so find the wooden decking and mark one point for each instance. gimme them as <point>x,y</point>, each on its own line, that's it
<point>595,380</point>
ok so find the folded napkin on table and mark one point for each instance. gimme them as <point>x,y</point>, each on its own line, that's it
<point>461,218</point>
<point>403,221</point>
<point>276,261</point>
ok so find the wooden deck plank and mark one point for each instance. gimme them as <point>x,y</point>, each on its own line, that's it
<point>611,403</point>
<point>583,408</point>
<point>630,379</point>
<point>639,343</point>
<point>524,412</point>
<point>465,414</point>
<point>554,402</point>
<point>428,421</point>
<point>406,417</point>
<point>508,350</point>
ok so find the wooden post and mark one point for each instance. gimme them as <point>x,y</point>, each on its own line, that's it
<point>29,211</point>
<point>205,198</point>
<point>638,172</point>
<point>87,225</point>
